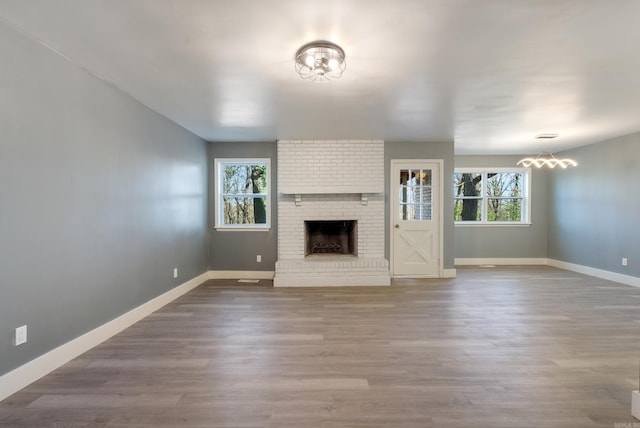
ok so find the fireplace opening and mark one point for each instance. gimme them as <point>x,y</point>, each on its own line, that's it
<point>331,237</point>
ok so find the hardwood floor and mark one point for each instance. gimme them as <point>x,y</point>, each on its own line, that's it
<point>495,347</point>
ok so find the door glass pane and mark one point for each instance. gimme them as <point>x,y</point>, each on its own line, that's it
<point>409,212</point>
<point>424,177</point>
<point>425,212</point>
<point>404,190</point>
<point>404,177</point>
<point>426,195</point>
<point>404,194</point>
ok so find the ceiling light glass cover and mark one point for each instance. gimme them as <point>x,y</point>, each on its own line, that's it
<point>548,160</point>
<point>320,61</point>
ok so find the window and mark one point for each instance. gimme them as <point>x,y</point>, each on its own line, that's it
<point>242,194</point>
<point>491,196</point>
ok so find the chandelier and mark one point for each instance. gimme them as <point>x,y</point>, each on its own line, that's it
<point>547,159</point>
<point>320,61</point>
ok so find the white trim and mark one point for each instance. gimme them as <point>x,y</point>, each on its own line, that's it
<point>449,273</point>
<point>410,276</point>
<point>19,378</point>
<point>462,169</point>
<point>492,224</point>
<point>500,261</point>
<point>241,229</point>
<point>633,281</point>
<point>635,404</point>
<point>240,274</point>
<point>441,190</point>
<point>33,370</point>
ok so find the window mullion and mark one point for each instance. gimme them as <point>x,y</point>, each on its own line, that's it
<point>485,198</point>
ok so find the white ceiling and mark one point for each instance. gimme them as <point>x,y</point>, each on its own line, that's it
<point>486,74</point>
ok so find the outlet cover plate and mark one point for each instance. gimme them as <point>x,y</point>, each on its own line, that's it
<point>21,335</point>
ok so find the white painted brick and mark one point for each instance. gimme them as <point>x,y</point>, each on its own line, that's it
<point>330,175</point>
<point>331,164</point>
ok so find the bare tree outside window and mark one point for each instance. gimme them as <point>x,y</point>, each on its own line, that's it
<point>468,194</point>
<point>504,197</point>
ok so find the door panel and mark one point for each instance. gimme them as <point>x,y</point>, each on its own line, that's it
<point>415,215</point>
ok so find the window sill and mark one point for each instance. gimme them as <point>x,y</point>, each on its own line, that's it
<point>241,229</point>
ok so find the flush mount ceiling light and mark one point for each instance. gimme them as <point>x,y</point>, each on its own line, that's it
<point>320,61</point>
<point>547,159</point>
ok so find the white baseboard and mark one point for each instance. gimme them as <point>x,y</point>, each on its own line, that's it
<point>449,273</point>
<point>500,261</point>
<point>240,274</point>
<point>598,273</point>
<point>635,404</point>
<point>33,370</point>
<point>28,373</point>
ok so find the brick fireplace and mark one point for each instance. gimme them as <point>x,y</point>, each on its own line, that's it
<point>337,182</point>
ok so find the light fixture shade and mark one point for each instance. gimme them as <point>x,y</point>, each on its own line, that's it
<point>320,61</point>
<point>548,160</point>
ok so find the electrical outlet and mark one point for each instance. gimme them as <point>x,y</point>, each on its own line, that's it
<point>259,258</point>
<point>624,261</point>
<point>175,272</point>
<point>21,335</point>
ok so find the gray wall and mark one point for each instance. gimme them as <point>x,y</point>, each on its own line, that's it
<point>423,150</point>
<point>100,199</point>
<point>506,241</point>
<point>594,208</point>
<point>237,250</point>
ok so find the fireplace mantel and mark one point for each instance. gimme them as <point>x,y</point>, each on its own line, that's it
<point>330,189</point>
<point>364,199</point>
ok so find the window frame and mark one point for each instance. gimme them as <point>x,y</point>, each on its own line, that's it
<point>219,195</point>
<point>526,197</point>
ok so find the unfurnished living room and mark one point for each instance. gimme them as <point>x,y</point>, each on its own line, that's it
<point>340,213</point>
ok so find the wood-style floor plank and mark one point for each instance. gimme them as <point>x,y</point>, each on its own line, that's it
<point>494,347</point>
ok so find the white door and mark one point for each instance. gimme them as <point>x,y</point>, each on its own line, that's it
<point>416,218</point>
